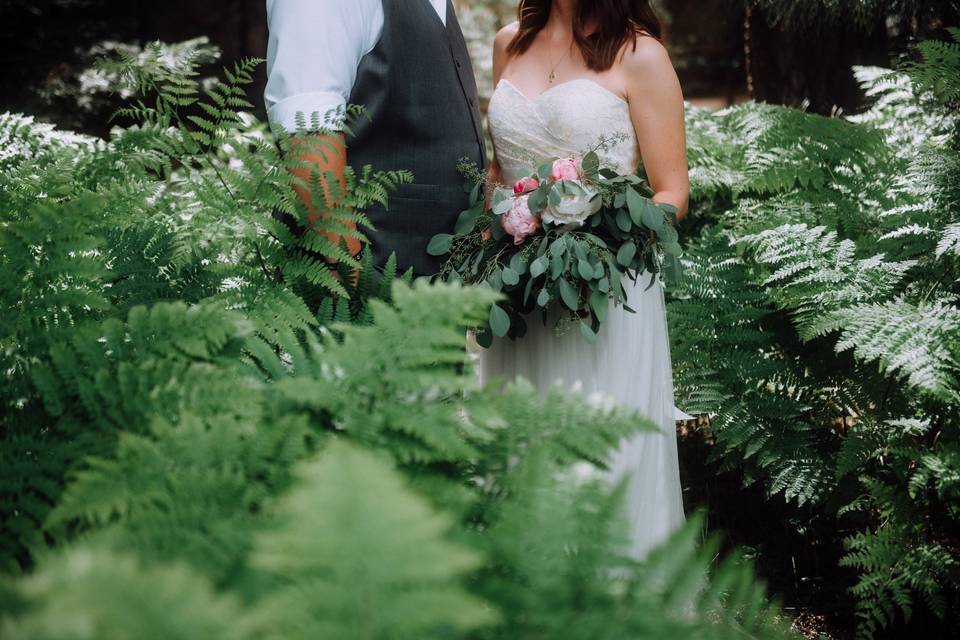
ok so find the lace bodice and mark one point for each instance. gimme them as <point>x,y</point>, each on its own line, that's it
<point>568,119</point>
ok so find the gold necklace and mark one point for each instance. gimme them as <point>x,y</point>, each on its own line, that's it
<point>553,70</point>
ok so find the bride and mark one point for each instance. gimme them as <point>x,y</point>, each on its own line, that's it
<point>568,75</point>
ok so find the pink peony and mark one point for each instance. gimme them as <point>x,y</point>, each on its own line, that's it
<point>525,185</point>
<point>565,169</point>
<point>520,222</point>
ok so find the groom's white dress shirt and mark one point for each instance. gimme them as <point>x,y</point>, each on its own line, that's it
<point>314,50</point>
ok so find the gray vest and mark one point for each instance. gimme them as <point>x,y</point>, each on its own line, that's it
<point>421,98</point>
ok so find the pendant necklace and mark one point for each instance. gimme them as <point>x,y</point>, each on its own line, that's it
<point>553,70</point>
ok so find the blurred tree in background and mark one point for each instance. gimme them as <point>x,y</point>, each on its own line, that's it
<point>793,52</point>
<point>46,46</point>
<point>801,52</point>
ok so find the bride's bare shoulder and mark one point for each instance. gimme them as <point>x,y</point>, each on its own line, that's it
<point>505,36</point>
<point>500,43</point>
<point>647,56</point>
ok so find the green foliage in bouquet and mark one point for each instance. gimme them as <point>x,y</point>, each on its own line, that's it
<point>206,434</point>
<point>562,242</point>
<point>818,326</point>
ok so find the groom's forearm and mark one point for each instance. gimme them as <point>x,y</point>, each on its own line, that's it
<point>325,155</point>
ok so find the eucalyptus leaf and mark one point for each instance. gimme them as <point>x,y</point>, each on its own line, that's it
<point>496,280</point>
<point>558,247</point>
<point>653,217</point>
<point>510,277</point>
<point>624,221</point>
<point>519,263</point>
<point>499,321</point>
<point>668,235</point>
<point>542,249</point>
<point>627,253</point>
<point>538,199</point>
<point>556,267</point>
<point>587,331</point>
<point>544,298</point>
<point>670,211</point>
<point>591,164</point>
<point>527,290</point>
<point>544,170</point>
<point>440,244</point>
<point>580,248</point>
<point>467,220</point>
<point>503,206</point>
<point>636,203</point>
<point>653,281</point>
<point>599,303</point>
<point>569,295</point>
<point>539,267</point>
<point>672,249</point>
<point>555,195</point>
<point>585,269</point>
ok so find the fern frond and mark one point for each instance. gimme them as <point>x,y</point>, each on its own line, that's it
<point>326,548</point>
<point>917,342</point>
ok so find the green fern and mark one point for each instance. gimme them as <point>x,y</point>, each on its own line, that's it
<point>939,69</point>
<point>919,342</point>
<point>821,302</point>
<point>814,275</point>
<point>132,601</point>
<point>337,575</point>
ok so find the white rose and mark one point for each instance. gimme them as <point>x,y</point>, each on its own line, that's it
<point>571,203</point>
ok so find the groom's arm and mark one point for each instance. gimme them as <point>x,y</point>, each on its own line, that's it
<point>314,50</point>
<point>326,155</point>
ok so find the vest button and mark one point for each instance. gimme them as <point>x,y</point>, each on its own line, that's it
<point>458,64</point>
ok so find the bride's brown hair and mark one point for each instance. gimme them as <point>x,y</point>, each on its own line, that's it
<point>616,22</point>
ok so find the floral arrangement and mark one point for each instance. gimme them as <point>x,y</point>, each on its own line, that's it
<point>565,236</point>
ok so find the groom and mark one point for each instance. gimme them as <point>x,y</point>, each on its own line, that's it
<point>407,63</point>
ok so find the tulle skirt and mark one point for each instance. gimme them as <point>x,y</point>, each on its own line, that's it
<point>629,364</point>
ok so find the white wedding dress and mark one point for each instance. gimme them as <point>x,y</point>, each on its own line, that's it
<point>629,363</point>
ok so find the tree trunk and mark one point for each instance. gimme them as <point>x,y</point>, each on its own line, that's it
<point>810,68</point>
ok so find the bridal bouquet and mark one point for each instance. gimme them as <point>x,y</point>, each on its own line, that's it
<point>564,237</point>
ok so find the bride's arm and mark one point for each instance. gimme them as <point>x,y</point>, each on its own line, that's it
<point>500,42</point>
<point>656,108</point>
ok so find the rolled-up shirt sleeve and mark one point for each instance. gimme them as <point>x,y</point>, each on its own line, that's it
<point>313,52</point>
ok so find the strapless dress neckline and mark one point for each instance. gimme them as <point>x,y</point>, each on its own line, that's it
<point>558,86</point>
<point>568,119</point>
